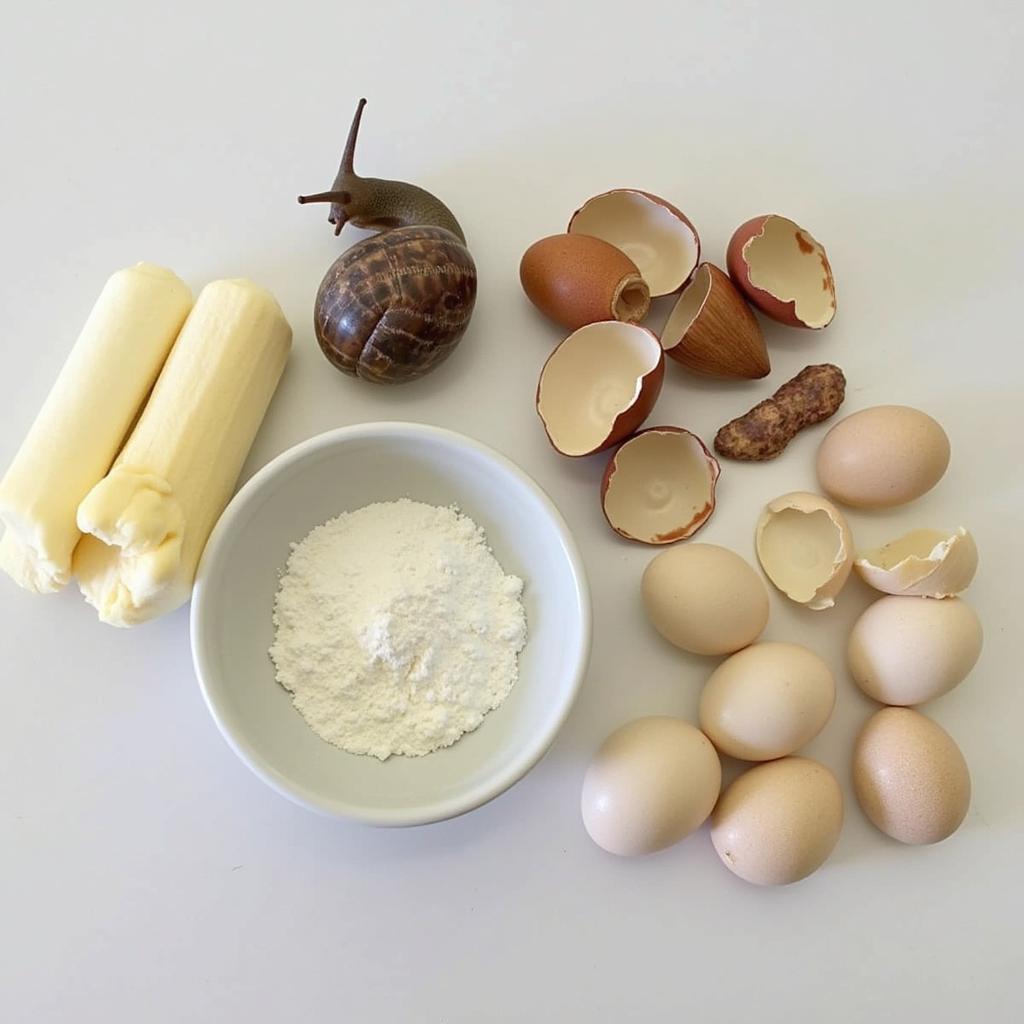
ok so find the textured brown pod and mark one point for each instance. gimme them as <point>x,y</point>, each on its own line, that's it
<point>813,395</point>
<point>711,330</point>
<point>577,280</point>
<point>783,271</point>
<point>394,306</point>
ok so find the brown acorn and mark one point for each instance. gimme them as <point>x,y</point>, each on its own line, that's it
<point>711,330</point>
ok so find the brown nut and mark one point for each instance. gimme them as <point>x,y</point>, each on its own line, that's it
<point>813,395</point>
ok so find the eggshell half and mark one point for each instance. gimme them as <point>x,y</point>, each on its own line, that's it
<point>651,784</point>
<point>805,547</point>
<point>922,563</point>
<point>778,822</point>
<point>783,271</point>
<point>882,457</point>
<point>599,385</point>
<point>704,599</point>
<point>659,486</point>
<point>766,701</point>
<point>655,235</point>
<point>712,331</point>
<point>577,280</point>
<point>908,650</point>
<point>910,777</point>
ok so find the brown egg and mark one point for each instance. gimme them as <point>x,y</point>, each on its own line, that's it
<point>652,783</point>
<point>778,822</point>
<point>783,271</point>
<point>766,701</point>
<point>882,457</point>
<point>659,486</point>
<point>705,598</point>
<point>910,777</point>
<point>578,279</point>
<point>909,650</point>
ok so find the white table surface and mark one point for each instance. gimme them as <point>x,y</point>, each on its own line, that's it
<point>145,874</point>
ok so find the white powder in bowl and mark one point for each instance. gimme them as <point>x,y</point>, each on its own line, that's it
<point>396,630</point>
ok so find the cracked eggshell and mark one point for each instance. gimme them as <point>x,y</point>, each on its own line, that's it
<point>599,386</point>
<point>659,486</point>
<point>711,329</point>
<point>805,547</point>
<point>577,280</point>
<point>655,235</point>
<point>922,563</point>
<point>783,271</point>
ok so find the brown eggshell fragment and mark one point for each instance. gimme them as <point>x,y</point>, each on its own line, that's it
<point>778,822</point>
<point>910,777</point>
<point>805,547</point>
<point>783,271</point>
<point>881,457</point>
<point>711,329</point>
<point>599,386</point>
<point>659,486</point>
<point>922,563</point>
<point>655,235</point>
<point>577,280</point>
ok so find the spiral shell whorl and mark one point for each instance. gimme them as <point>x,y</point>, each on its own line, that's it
<point>395,305</point>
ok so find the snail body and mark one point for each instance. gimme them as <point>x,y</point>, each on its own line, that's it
<point>395,305</point>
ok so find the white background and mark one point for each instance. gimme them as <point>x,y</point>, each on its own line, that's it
<point>145,875</point>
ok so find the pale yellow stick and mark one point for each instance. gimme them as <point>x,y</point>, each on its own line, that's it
<point>85,419</point>
<point>148,520</point>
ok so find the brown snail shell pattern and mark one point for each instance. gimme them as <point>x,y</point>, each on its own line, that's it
<point>395,305</point>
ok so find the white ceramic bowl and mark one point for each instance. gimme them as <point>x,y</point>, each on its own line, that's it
<point>232,605</point>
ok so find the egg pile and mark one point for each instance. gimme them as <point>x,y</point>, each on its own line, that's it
<point>657,780</point>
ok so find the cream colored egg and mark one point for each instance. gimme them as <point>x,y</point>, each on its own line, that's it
<point>908,650</point>
<point>778,822</point>
<point>805,547</point>
<point>883,456</point>
<point>910,777</point>
<point>767,701</point>
<point>652,783</point>
<point>705,599</point>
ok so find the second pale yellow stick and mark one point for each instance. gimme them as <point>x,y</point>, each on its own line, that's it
<point>148,520</point>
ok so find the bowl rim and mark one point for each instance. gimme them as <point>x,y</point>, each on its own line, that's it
<point>200,630</point>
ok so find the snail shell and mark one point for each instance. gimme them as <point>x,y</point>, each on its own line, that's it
<point>395,305</point>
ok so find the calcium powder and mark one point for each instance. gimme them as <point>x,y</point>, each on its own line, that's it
<point>396,628</point>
